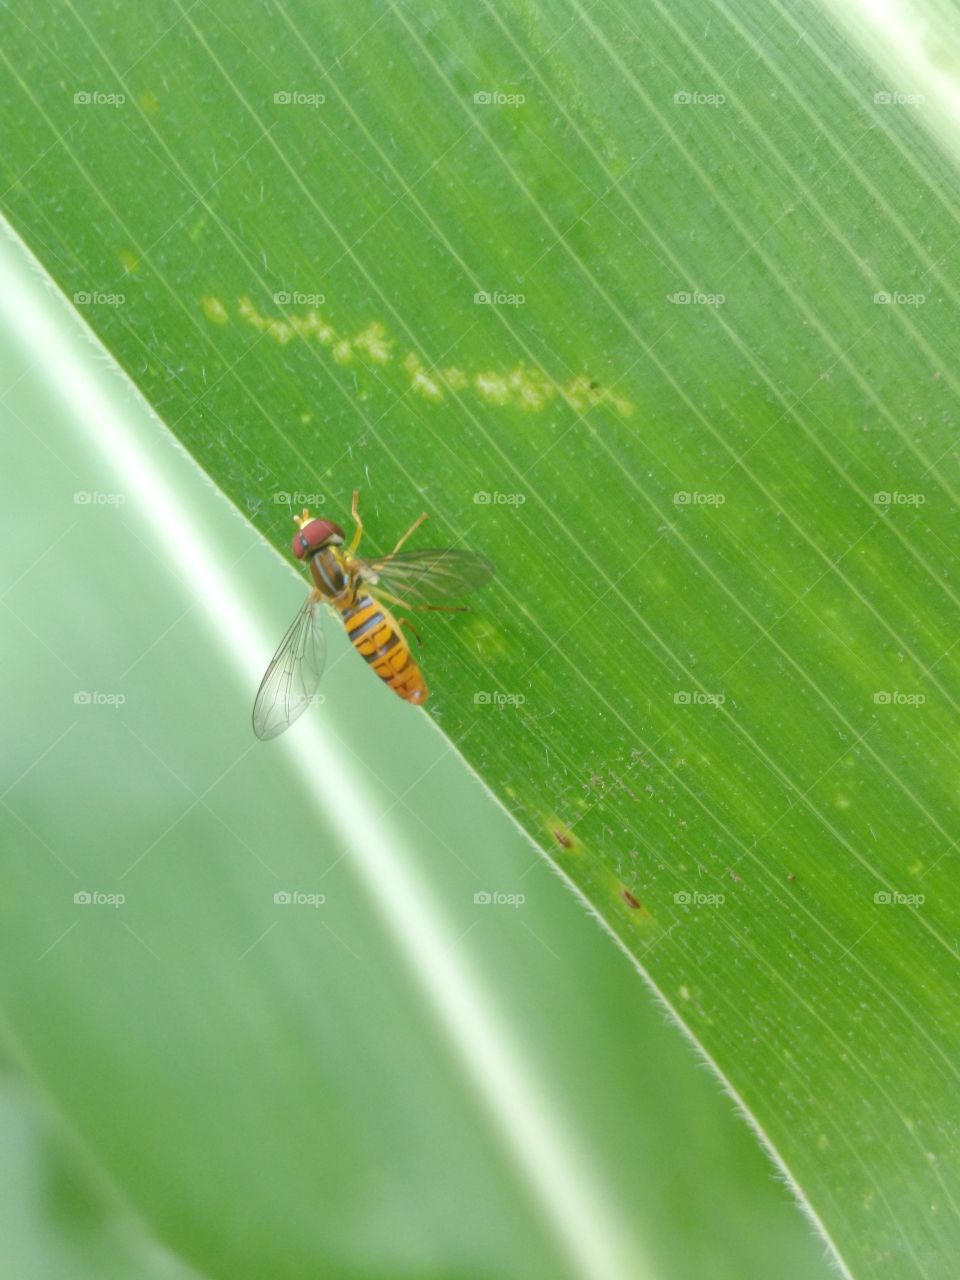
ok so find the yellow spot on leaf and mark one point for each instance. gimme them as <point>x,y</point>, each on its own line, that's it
<point>487,639</point>
<point>455,379</point>
<point>373,341</point>
<point>280,331</point>
<point>128,261</point>
<point>214,309</point>
<point>312,325</point>
<point>529,389</point>
<point>493,387</point>
<point>149,102</point>
<point>421,383</point>
<point>250,313</point>
<point>583,393</point>
<point>533,388</point>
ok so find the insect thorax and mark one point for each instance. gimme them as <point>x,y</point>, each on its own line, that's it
<point>329,574</point>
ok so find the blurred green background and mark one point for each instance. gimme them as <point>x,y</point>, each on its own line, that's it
<point>400,1080</point>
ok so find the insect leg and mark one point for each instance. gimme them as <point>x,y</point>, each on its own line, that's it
<point>358,531</point>
<point>423,608</point>
<point>413,528</point>
<point>405,622</point>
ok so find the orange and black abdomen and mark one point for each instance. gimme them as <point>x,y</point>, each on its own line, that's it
<point>375,634</point>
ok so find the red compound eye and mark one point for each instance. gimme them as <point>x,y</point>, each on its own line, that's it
<point>314,535</point>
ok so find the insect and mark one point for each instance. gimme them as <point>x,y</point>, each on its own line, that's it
<point>357,589</point>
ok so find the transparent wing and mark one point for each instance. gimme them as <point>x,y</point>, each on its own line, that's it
<point>293,675</point>
<point>430,575</point>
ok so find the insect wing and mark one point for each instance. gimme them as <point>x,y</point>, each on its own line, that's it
<point>432,574</point>
<point>293,675</point>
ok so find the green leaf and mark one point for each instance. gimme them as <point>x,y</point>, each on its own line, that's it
<point>57,1218</point>
<point>655,310</point>
<point>389,1069</point>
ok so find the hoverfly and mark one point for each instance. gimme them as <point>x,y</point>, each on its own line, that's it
<point>342,579</point>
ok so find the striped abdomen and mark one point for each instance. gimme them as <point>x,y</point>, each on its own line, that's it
<point>375,633</point>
